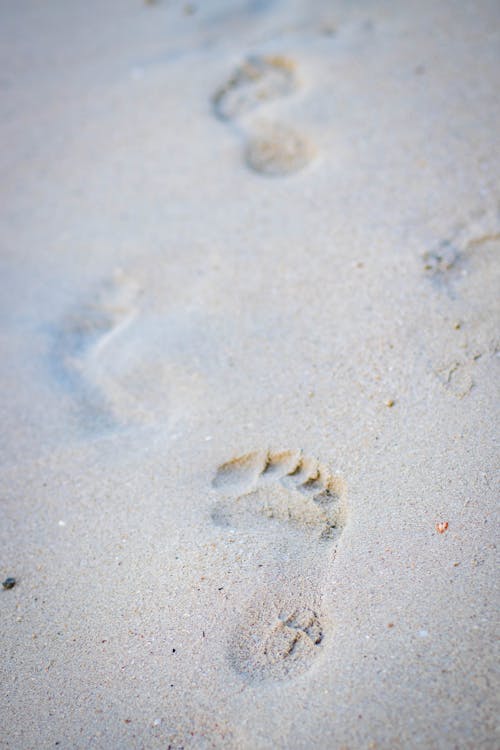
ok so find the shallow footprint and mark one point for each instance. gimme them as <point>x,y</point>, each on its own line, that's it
<point>81,342</point>
<point>453,259</point>
<point>273,149</point>
<point>258,79</point>
<point>292,511</point>
<point>277,151</point>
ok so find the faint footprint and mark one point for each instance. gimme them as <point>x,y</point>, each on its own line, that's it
<point>291,512</point>
<point>464,269</point>
<point>452,259</point>
<point>272,149</point>
<point>80,345</point>
<point>256,80</point>
<point>278,151</point>
<point>456,377</point>
<point>444,259</point>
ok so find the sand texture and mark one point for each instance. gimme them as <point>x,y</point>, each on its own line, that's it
<point>249,374</point>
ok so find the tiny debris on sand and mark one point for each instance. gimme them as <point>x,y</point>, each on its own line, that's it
<point>441,527</point>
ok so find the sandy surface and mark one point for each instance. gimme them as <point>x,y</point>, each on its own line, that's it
<point>249,315</point>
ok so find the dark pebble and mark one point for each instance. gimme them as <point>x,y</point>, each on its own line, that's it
<point>9,583</point>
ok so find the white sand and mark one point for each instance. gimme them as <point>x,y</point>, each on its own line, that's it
<point>249,228</point>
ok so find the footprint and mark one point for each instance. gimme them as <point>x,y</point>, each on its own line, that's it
<point>443,260</point>
<point>291,512</point>
<point>278,151</point>
<point>80,345</point>
<point>465,271</point>
<point>456,377</point>
<point>273,150</point>
<point>256,80</point>
<point>451,260</point>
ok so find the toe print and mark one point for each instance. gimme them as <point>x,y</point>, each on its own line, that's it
<point>284,487</point>
<point>295,510</point>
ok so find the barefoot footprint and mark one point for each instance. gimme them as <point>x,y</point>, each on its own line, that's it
<point>257,80</point>
<point>277,150</point>
<point>272,149</point>
<point>80,345</point>
<point>450,260</point>
<point>292,511</point>
<point>464,269</point>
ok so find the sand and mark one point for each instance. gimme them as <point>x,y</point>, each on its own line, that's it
<point>249,357</point>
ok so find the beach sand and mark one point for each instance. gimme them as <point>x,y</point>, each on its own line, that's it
<point>248,375</point>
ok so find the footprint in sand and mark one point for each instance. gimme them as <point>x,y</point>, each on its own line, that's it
<point>257,80</point>
<point>272,149</point>
<point>80,346</point>
<point>456,376</point>
<point>442,261</point>
<point>467,248</point>
<point>464,269</point>
<point>293,512</point>
<point>277,150</point>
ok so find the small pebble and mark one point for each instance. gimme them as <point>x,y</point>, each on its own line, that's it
<point>9,583</point>
<point>390,403</point>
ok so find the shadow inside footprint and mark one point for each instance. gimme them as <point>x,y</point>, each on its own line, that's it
<point>296,508</point>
